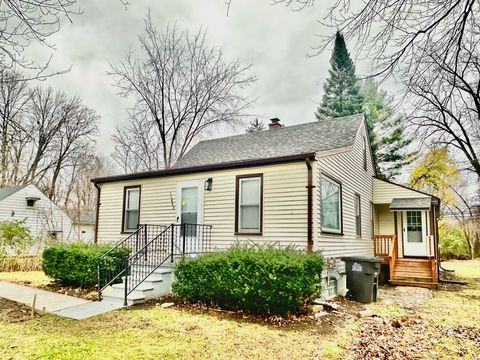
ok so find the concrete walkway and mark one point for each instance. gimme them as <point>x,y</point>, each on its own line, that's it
<point>59,304</point>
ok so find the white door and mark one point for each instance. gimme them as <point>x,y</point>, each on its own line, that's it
<point>414,233</point>
<point>190,213</point>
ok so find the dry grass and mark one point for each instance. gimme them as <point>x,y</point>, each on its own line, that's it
<point>21,263</point>
<point>32,278</point>
<point>151,332</point>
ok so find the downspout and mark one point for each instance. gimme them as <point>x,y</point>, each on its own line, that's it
<point>437,239</point>
<point>309,205</point>
<point>95,238</point>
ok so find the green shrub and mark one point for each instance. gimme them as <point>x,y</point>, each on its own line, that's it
<point>257,280</point>
<point>76,264</point>
<point>453,244</point>
<point>15,238</point>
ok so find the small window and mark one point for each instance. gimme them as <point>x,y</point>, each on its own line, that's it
<point>364,153</point>
<point>131,205</point>
<point>358,215</point>
<point>249,204</point>
<point>30,202</point>
<point>331,206</point>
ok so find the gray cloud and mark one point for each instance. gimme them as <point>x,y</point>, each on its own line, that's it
<point>273,38</point>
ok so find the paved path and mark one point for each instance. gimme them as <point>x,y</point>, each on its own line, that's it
<point>59,304</point>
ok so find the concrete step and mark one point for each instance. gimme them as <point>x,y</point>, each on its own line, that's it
<point>142,287</point>
<point>116,294</point>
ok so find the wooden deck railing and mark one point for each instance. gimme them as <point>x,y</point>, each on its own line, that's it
<point>387,246</point>
<point>393,255</point>
<point>382,245</point>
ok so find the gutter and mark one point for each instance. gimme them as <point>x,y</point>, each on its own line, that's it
<point>204,168</point>
<point>97,211</point>
<point>309,204</point>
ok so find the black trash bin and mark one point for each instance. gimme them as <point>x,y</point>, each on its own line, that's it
<point>362,277</point>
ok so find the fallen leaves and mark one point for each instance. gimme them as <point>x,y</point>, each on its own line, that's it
<point>412,338</point>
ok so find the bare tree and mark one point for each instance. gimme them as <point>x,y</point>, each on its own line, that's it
<point>137,146</point>
<point>182,85</point>
<point>30,21</point>
<point>80,194</point>
<point>75,138</point>
<point>395,33</point>
<point>13,97</point>
<point>447,104</point>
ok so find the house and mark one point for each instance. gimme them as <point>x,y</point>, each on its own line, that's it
<point>84,225</point>
<point>45,220</point>
<point>312,186</point>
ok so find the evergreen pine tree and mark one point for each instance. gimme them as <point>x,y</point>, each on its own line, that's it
<point>342,91</point>
<point>386,130</point>
<point>255,125</point>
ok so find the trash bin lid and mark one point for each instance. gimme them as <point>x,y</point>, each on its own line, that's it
<point>371,259</point>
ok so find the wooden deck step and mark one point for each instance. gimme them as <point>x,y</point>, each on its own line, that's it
<point>413,272</point>
<point>428,285</point>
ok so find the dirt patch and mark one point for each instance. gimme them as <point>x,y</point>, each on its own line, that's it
<point>84,293</point>
<point>12,312</point>
<point>346,312</point>
<point>404,296</point>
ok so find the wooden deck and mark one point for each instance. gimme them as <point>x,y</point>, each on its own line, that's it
<point>421,272</point>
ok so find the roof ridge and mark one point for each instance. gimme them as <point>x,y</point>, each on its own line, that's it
<point>278,129</point>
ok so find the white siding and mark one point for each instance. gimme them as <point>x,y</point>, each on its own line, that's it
<point>85,232</point>
<point>45,216</point>
<point>384,192</point>
<point>347,167</point>
<point>284,204</point>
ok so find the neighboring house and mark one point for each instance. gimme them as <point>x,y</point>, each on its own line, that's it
<point>45,220</point>
<point>84,225</point>
<point>312,186</point>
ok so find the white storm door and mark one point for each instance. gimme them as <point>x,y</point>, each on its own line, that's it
<point>189,215</point>
<point>414,233</point>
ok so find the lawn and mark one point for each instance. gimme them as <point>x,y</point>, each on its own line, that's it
<point>443,325</point>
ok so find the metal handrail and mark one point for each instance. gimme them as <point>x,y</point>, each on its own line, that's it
<point>161,249</point>
<point>131,242</point>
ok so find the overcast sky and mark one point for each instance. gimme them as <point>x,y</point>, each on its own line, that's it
<point>273,38</point>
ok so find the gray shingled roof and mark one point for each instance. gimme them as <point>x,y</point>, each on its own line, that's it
<point>7,191</point>
<point>423,203</point>
<point>85,219</point>
<point>286,141</point>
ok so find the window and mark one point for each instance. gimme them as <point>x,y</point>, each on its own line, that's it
<point>131,206</point>
<point>331,206</point>
<point>358,215</point>
<point>414,226</point>
<point>364,153</point>
<point>248,214</point>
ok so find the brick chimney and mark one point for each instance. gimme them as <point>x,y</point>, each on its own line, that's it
<point>274,124</point>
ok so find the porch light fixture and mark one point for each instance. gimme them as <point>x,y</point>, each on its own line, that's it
<point>208,184</point>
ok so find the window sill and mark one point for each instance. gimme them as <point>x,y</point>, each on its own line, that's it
<point>127,232</point>
<point>247,233</point>
<point>326,232</point>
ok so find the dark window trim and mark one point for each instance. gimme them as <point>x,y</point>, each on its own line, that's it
<point>357,233</point>
<point>237,199</point>
<point>328,232</point>
<point>125,188</point>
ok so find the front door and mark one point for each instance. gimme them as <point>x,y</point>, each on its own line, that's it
<point>414,233</point>
<point>190,216</point>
